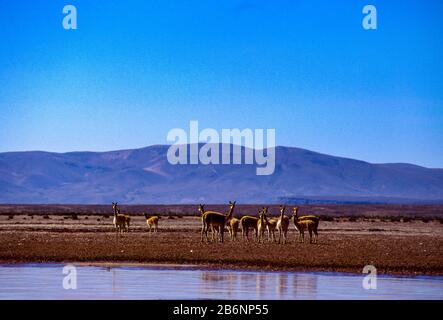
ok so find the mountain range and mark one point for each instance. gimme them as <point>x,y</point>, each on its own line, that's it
<point>144,176</point>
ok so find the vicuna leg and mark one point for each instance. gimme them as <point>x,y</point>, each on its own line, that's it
<point>222,233</point>
<point>246,234</point>
<point>204,232</point>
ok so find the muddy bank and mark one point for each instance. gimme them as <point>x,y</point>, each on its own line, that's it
<point>413,247</point>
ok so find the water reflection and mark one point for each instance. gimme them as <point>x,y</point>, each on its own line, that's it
<point>260,284</point>
<point>304,286</point>
<point>45,282</point>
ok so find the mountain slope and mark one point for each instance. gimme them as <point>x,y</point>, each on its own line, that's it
<point>145,176</point>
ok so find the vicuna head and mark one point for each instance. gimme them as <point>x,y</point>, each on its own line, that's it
<point>231,205</point>
<point>231,210</point>
<point>114,207</point>
<point>295,212</point>
<point>282,210</point>
<point>201,208</point>
<point>262,213</point>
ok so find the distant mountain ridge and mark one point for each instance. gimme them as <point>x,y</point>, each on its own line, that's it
<point>144,175</point>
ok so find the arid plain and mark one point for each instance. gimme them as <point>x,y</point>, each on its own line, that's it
<point>397,239</point>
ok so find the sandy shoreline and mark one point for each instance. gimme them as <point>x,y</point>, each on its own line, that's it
<point>215,267</point>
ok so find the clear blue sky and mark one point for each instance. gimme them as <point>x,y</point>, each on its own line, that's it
<point>133,70</point>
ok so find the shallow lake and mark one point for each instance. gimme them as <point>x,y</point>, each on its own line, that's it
<point>45,281</point>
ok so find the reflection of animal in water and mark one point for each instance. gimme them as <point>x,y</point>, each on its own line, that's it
<point>304,286</point>
<point>260,283</point>
<point>152,222</point>
<point>282,225</point>
<point>215,220</point>
<point>309,223</point>
<point>282,286</point>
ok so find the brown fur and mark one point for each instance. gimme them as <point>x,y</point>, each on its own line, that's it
<point>271,225</point>
<point>216,221</point>
<point>261,225</point>
<point>282,225</point>
<point>247,222</point>
<point>309,223</point>
<point>233,225</point>
<point>152,222</point>
<point>119,219</point>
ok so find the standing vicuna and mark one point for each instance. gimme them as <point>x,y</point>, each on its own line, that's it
<point>246,223</point>
<point>119,219</point>
<point>152,222</point>
<point>127,219</point>
<point>201,209</point>
<point>271,225</point>
<point>232,225</point>
<point>261,225</point>
<point>216,221</point>
<point>282,225</point>
<point>304,223</point>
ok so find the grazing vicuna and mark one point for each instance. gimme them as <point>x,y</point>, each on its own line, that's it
<point>309,223</point>
<point>152,222</point>
<point>216,221</point>
<point>282,225</point>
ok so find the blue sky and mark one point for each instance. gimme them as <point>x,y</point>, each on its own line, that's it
<point>133,70</point>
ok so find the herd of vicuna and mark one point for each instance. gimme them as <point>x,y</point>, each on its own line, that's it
<point>217,221</point>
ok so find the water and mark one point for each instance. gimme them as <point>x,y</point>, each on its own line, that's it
<point>45,281</point>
